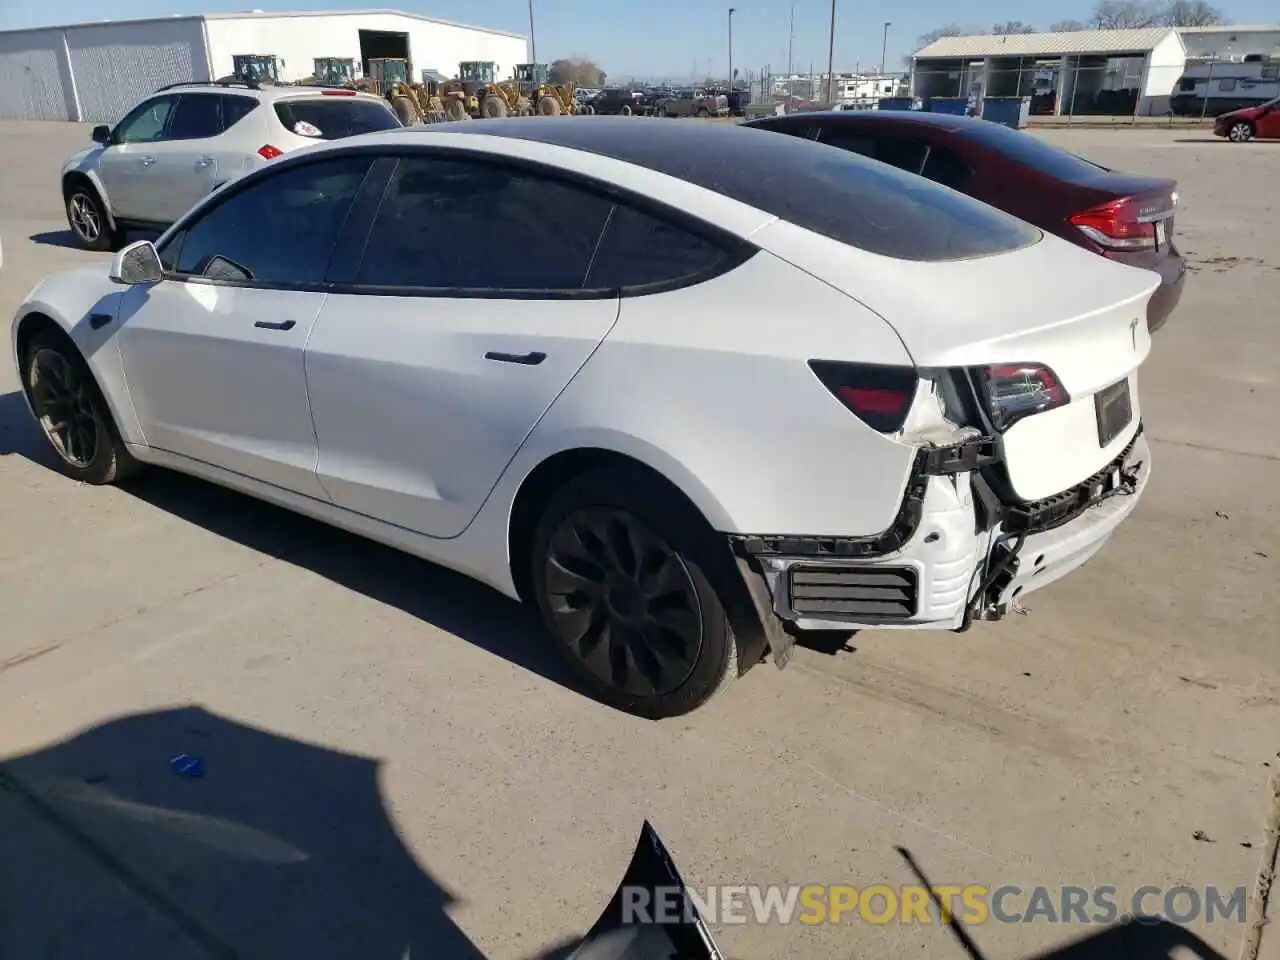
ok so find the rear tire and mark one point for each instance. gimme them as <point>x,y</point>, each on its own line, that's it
<point>622,570</point>
<point>72,413</point>
<point>87,218</point>
<point>548,107</point>
<point>624,110</point>
<point>493,108</point>
<point>1241,131</point>
<point>456,110</point>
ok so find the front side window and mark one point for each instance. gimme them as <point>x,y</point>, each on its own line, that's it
<point>470,225</point>
<point>146,123</point>
<point>279,230</point>
<point>198,116</point>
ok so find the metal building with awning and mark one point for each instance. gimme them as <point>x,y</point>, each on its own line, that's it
<point>1099,72</point>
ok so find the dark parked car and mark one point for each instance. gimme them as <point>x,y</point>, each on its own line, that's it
<point>1123,217</point>
<point>738,98</point>
<point>618,100</point>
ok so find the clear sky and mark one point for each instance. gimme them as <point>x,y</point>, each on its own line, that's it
<point>665,37</point>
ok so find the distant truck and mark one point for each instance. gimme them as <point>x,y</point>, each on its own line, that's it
<point>693,103</point>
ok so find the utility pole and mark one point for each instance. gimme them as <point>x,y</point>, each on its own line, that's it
<point>533,43</point>
<point>831,57</point>
<point>731,48</point>
<point>791,41</point>
<point>884,45</point>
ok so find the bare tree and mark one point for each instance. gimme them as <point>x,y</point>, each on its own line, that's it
<point>1067,26</point>
<point>1193,13</point>
<point>1128,14</point>
<point>579,71</point>
<point>1011,27</point>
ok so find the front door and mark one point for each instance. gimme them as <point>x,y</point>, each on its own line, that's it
<point>459,329</point>
<point>127,165</point>
<point>214,352</point>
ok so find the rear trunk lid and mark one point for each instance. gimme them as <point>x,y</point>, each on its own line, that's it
<point>1050,303</point>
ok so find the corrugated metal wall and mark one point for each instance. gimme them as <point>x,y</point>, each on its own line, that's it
<point>116,66</point>
<point>33,83</point>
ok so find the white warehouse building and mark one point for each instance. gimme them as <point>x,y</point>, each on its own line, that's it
<point>94,72</point>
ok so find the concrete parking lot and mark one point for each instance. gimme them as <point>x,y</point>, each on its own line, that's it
<point>394,768</point>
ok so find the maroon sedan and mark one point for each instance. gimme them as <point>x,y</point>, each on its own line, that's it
<point>1121,216</point>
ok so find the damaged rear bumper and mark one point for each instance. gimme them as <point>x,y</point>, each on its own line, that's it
<point>955,554</point>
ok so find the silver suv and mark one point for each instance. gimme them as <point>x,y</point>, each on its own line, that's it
<point>186,139</point>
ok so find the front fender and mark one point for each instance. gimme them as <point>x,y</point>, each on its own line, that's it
<point>84,304</point>
<point>87,167</point>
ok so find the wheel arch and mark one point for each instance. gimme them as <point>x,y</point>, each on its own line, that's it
<point>74,178</point>
<point>540,484</point>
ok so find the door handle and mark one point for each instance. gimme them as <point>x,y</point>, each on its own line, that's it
<point>146,161</point>
<point>204,162</point>
<point>281,325</point>
<point>528,359</point>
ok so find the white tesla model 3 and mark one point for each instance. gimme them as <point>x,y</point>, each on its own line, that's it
<point>690,390</point>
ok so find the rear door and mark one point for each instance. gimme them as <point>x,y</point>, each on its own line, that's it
<point>437,355</point>
<point>186,163</point>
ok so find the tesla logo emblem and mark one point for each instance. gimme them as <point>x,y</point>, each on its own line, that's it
<point>1133,332</point>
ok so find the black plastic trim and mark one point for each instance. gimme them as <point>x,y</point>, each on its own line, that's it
<point>903,528</point>
<point>1038,516</point>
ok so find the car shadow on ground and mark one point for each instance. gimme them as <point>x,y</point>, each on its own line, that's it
<point>275,848</point>
<point>57,238</point>
<point>65,238</point>
<point>450,601</point>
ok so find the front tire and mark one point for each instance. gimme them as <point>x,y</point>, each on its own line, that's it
<point>622,570</point>
<point>87,218</point>
<point>72,413</point>
<point>1241,131</point>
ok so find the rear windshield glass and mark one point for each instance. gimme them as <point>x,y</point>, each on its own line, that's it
<point>888,211</point>
<point>830,191</point>
<point>1031,151</point>
<point>333,118</point>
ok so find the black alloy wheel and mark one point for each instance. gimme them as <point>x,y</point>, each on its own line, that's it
<point>72,413</point>
<point>623,602</point>
<point>64,405</point>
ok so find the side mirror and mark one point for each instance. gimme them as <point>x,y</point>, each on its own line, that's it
<point>101,134</point>
<point>137,263</point>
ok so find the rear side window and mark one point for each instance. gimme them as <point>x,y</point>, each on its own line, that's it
<point>279,230</point>
<point>235,109</point>
<point>638,250</point>
<point>467,225</point>
<point>944,167</point>
<point>332,118</point>
<point>198,116</point>
<point>1031,151</point>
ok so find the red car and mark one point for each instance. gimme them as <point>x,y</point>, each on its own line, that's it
<point>1261,122</point>
<point>1121,216</point>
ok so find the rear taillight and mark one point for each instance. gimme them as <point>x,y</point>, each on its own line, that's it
<point>1012,391</point>
<point>879,396</point>
<point>1127,223</point>
<point>269,152</point>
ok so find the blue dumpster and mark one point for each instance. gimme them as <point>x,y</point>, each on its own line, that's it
<point>898,103</point>
<point>1013,112</point>
<point>952,106</point>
